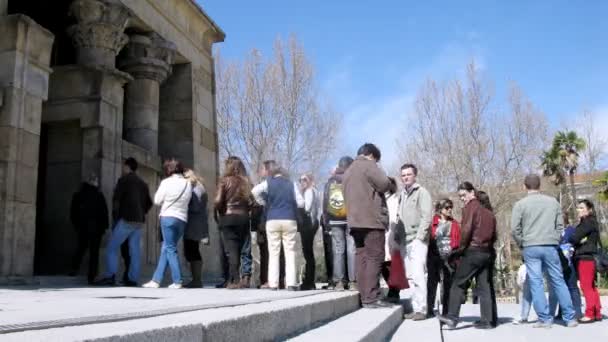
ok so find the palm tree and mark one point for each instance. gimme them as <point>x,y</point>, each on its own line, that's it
<point>550,163</point>
<point>561,161</point>
<point>568,144</point>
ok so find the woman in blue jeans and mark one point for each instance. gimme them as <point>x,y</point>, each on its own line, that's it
<point>173,196</point>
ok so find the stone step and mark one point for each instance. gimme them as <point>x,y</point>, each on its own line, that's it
<point>408,329</point>
<point>274,319</point>
<point>362,325</point>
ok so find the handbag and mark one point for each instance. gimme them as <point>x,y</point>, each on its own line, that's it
<point>160,232</point>
<point>397,278</point>
<point>601,258</point>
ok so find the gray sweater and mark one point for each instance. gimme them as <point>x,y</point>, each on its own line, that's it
<point>416,213</point>
<point>537,220</point>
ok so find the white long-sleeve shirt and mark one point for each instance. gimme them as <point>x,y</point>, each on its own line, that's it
<point>168,197</point>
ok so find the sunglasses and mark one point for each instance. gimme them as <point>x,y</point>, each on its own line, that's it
<point>448,208</point>
<point>303,180</point>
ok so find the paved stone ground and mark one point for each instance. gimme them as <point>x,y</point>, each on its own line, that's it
<point>506,331</point>
<point>21,305</point>
<point>26,305</point>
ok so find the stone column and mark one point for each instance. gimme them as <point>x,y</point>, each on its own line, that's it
<point>3,6</point>
<point>25,50</point>
<point>99,34</point>
<point>148,59</point>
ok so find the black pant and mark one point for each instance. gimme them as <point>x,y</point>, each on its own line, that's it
<point>329,255</point>
<point>262,241</point>
<point>191,251</point>
<point>369,259</point>
<point>126,257</point>
<point>438,272</point>
<point>307,234</point>
<point>233,230</point>
<point>92,242</point>
<point>474,264</point>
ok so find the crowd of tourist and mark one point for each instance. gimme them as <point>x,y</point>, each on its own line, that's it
<point>370,225</point>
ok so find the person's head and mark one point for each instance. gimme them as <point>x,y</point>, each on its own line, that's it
<point>194,178</point>
<point>93,180</point>
<point>370,151</point>
<point>306,180</point>
<point>444,208</point>
<point>466,192</point>
<point>532,182</point>
<point>585,208</point>
<point>484,199</point>
<point>345,162</point>
<point>234,167</point>
<point>408,174</point>
<point>270,168</point>
<point>173,167</point>
<point>130,165</point>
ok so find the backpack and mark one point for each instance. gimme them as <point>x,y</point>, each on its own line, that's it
<point>336,207</point>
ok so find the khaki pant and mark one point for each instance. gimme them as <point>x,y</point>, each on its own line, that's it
<point>281,231</point>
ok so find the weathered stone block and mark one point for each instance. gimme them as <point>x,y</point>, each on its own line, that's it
<point>208,139</point>
<point>73,81</point>
<point>26,180</point>
<point>204,116</point>
<point>142,92</point>
<point>58,111</point>
<point>8,143</point>
<point>22,34</point>
<point>28,148</point>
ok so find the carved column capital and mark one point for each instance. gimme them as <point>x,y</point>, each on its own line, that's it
<point>99,33</point>
<point>148,56</point>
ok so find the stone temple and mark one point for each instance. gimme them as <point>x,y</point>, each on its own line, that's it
<point>84,84</point>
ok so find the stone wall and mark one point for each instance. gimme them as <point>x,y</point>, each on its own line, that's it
<point>24,58</point>
<point>150,98</point>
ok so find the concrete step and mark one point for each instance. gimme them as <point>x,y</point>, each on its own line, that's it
<point>362,325</point>
<point>270,320</point>
<point>408,329</point>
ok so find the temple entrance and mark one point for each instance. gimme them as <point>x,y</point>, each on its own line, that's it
<point>59,171</point>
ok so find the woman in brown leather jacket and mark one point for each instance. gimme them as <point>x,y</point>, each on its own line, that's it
<point>232,204</point>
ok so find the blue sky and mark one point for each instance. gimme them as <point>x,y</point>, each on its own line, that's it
<point>371,57</point>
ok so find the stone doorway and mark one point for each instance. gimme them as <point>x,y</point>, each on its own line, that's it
<point>60,166</point>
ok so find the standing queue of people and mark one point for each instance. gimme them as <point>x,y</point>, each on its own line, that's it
<point>365,219</point>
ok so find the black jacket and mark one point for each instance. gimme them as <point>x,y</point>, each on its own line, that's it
<point>197,227</point>
<point>131,200</point>
<point>89,211</point>
<point>585,238</point>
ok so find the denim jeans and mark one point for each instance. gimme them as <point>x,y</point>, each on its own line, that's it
<point>172,230</point>
<point>545,259</point>
<point>343,246</point>
<point>526,301</point>
<point>571,281</point>
<point>246,258</point>
<point>122,232</point>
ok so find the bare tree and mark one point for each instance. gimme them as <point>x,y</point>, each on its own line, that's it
<point>592,154</point>
<point>269,108</point>
<point>457,132</point>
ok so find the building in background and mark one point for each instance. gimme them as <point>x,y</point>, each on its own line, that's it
<point>84,84</point>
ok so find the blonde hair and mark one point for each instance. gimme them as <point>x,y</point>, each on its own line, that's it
<point>194,178</point>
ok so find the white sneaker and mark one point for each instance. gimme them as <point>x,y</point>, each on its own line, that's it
<point>151,285</point>
<point>175,286</point>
